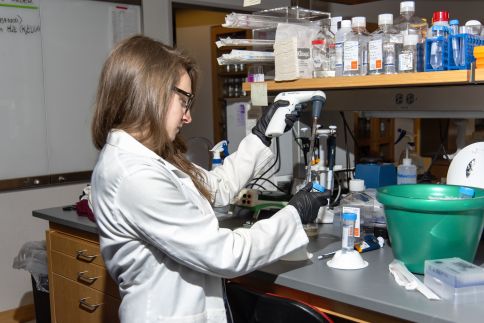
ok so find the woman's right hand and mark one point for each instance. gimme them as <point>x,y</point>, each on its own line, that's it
<point>307,203</point>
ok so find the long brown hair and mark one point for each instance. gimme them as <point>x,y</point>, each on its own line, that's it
<point>134,91</point>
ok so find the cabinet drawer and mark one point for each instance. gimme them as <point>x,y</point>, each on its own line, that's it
<point>75,303</point>
<point>86,274</point>
<point>82,250</point>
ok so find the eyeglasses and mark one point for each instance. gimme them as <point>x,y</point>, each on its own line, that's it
<point>187,104</point>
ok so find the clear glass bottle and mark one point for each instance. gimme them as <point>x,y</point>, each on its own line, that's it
<point>409,24</point>
<point>355,49</point>
<point>323,52</point>
<point>340,37</point>
<point>361,204</point>
<point>348,233</point>
<point>407,58</point>
<point>384,44</point>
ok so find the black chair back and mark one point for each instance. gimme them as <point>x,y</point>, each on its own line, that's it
<point>248,306</point>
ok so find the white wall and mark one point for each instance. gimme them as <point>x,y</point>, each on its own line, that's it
<point>17,226</point>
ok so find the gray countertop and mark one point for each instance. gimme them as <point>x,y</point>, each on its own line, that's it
<point>372,288</point>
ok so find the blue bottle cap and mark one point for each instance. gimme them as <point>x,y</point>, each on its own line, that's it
<point>438,28</point>
<point>349,216</point>
<point>318,187</point>
<point>454,22</point>
<point>466,191</point>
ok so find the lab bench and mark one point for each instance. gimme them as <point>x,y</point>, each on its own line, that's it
<point>368,294</point>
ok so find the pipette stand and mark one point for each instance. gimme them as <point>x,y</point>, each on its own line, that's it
<point>347,260</point>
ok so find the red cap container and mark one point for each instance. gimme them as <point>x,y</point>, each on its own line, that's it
<point>440,16</point>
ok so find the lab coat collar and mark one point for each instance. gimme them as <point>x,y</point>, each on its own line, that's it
<point>123,140</point>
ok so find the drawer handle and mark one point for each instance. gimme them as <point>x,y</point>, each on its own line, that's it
<point>82,276</point>
<point>91,307</point>
<point>82,256</point>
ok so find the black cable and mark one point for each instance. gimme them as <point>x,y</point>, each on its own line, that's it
<point>269,181</point>
<point>348,127</point>
<point>255,184</point>
<point>347,153</point>
<point>268,169</point>
<point>427,175</point>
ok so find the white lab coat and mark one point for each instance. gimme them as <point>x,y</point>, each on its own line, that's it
<point>161,241</point>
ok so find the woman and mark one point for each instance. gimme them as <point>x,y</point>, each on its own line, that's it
<point>159,236</point>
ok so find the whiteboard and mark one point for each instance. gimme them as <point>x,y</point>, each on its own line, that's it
<point>45,114</point>
<point>22,113</point>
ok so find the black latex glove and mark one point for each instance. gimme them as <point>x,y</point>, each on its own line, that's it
<point>260,128</point>
<point>307,203</point>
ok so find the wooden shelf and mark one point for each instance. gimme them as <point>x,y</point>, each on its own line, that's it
<point>376,81</point>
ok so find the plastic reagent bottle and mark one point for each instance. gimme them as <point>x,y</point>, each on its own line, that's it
<point>454,30</point>
<point>355,49</point>
<point>407,58</point>
<point>323,53</point>
<point>361,204</point>
<point>341,36</point>
<point>348,240</point>
<point>409,24</point>
<point>440,31</point>
<point>382,47</point>
<point>407,172</point>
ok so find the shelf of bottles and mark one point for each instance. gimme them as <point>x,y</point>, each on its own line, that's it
<point>402,52</point>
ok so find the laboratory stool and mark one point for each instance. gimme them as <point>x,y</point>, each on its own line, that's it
<point>249,306</point>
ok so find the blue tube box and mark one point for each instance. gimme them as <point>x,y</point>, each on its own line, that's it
<point>376,175</point>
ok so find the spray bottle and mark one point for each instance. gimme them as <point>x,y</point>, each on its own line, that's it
<point>220,147</point>
<point>407,172</point>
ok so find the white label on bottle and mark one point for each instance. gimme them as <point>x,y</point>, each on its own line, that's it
<point>350,56</point>
<point>355,210</point>
<point>345,236</point>
<point>405,61</point>
<point>376,54</point>
<point>339,54</point>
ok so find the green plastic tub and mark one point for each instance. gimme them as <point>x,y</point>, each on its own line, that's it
<point>430,221</point>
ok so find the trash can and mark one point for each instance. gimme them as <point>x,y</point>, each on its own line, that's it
<point>41,304</point>
<point>33,258</point>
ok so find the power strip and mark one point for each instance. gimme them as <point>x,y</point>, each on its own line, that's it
<point>251,198</point>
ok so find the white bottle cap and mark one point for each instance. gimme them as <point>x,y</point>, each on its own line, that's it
<point>346,24</point>
<point>406,6</point>
<point>385,19</point>
<point>358,22</point>
<point>357,185</point>
<point>473,23</point>
<point>407,161</point>
<point>410,40</point>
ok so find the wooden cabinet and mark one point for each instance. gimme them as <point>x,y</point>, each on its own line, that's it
<point>227,79</point>
<point>81,289</point>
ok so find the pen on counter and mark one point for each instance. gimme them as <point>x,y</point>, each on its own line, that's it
<point>326,255</point>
